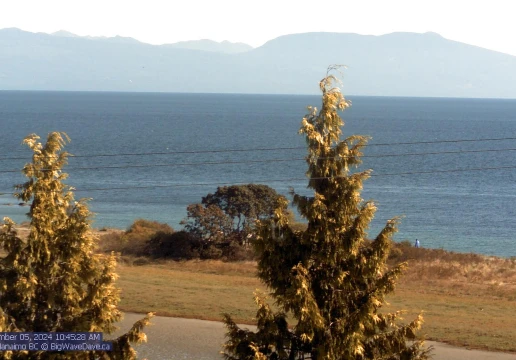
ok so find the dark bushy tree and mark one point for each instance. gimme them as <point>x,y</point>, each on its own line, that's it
<point>245,203</point>
<point>329,277</point>
<point>53,280</point>
<point>224,221</point>
<point>208,223</point>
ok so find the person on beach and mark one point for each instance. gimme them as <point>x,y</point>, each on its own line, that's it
<point>417,243</point>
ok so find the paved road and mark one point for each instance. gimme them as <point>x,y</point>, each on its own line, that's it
<point>187,339</point>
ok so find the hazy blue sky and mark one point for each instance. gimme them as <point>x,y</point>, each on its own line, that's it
<point>489,24</point>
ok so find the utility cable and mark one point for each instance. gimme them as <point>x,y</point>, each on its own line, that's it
<point>266,149</point>
<point>228,162</point>
<point>288,179</point>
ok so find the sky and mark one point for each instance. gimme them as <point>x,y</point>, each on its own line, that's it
<point>488,24</point>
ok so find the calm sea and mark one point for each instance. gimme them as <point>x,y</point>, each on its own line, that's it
<point>175,153</point>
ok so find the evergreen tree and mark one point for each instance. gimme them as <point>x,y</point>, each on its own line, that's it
<point>53,281</point>
<point>330,278</point>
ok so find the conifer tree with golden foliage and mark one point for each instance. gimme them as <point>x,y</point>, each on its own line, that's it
<point>329,278</point>
<point>53,280</point>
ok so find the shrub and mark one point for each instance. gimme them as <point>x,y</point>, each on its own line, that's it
<point>180,245</point>
<point>111,241</point>
<point>133,241</point>
<point>142,227</point>
<point>237,252</point>
<point>183,245</point>
<point>211,252</point>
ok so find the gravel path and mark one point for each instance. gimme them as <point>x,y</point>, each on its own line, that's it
<point>189,339</point>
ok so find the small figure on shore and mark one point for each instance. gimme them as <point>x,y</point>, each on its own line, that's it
<point>417,243</point>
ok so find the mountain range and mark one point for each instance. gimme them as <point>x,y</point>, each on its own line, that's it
<point>397,64</point>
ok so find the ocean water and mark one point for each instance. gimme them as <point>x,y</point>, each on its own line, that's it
<point>149,155</point>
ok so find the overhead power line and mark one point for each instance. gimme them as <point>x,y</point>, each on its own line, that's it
<point>215,151</point>
<point>229,162</point>
<point>443,141</point>
<point>285,180</point>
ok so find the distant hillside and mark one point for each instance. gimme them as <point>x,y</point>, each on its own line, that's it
<point>397,64</point>
<point>64,33</point>
<point>203,45</point>
<point>210,45</point>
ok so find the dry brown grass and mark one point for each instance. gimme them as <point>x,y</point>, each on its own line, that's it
<point>467,299</point>
<point>465,273</point>
<point>192,289</point>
